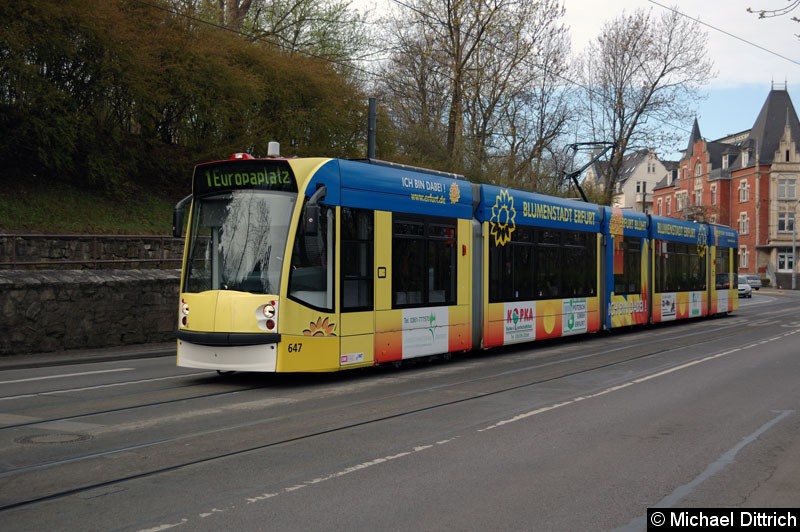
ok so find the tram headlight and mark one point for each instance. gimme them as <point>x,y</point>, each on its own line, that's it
<point>184,313</point>
<point>267,317</point>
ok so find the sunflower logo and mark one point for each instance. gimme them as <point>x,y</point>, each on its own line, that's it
<point>502,223</point>
<point>702,240</point>
<point>455,193</point>
<point>320,328</point>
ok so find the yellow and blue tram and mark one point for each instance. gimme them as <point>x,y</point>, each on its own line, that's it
<point>313,264</point>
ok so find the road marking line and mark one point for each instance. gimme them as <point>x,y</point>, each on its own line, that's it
<point>67,375</point>
<point>422,448</point>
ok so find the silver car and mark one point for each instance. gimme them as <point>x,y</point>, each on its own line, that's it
<point>754,281</point>
<point>745,290</point>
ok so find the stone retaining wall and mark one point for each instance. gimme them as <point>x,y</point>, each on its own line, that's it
<point>76,252</point>
<point>53,310</point>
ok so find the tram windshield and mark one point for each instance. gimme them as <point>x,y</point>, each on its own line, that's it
<point>238,241</point>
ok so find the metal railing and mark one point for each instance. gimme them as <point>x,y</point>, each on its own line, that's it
<point>22,251</point>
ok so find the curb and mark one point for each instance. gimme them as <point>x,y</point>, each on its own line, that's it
<point>82,356</point>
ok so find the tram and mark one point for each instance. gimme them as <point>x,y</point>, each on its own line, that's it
<point>317,264</point>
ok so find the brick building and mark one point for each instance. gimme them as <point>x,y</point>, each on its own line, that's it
<point>747,181</point>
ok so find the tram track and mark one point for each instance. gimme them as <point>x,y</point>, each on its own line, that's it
<point>74,417</point>
<point>250,435</point>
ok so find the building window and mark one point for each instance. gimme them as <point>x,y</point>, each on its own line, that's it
<point>698,169</point>
<point>713,219</point>
<point>713,194</point>
<point>724,162</point>
<point>785,222</point>
<point>651,168</point>
<point>669,206</point>
<point>744,191</point>
<point>745,158</point>
<point>681,199</point>
<point>786,189</point>
<point>698,197</point>
<point>659,207</point>
<point>743,256</point>
<point>785,260</point>
<point>744,224</point>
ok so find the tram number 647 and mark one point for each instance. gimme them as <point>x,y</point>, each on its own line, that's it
<point>294,348</point>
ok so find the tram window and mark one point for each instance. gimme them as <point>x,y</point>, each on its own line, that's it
<point>501,273</point>
<point>627,265</point>
<point>543,264</point>
<point>679,268</point>
<point>357,259</point>
<point>311,275</point>
<point>723,268</point>
<point>580,265</point>
<point>548,272</point>
<point>423,262</point>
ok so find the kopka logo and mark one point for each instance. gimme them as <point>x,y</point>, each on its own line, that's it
<point>519,316</point>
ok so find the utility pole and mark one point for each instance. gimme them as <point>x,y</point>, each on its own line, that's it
<point>794,253</point>
<point>372,127</point>
<point>644,197</point>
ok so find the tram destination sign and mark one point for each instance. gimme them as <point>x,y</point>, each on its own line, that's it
<point>248,174</point>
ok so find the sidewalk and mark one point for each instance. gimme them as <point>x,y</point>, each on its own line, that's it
<point>82,356</point>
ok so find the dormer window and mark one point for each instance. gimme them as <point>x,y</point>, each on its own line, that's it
<point>745,158</point>
<point>725,161</point>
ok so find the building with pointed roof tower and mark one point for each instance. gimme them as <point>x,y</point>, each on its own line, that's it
<point>641,171</point>
<point>748,181</point>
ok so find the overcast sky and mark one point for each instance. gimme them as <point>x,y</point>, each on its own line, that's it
<point>749,53</point>
<point>734,35</point>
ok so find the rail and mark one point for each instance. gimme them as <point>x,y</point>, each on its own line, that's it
<point>20,251</point>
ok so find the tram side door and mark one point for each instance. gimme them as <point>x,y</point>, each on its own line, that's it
<point>357,292</point>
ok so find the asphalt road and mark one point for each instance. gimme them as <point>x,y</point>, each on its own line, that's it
<point>568,435</point>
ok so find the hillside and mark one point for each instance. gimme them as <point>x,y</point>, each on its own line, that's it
<point>58,208</point>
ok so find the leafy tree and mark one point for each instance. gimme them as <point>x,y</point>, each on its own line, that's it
<point>120,94</point>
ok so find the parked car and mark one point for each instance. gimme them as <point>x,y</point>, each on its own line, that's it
<point>745,290</point>
<point>754,281</point>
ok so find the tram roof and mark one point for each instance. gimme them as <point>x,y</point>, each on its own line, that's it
<point>675,230</point>
<point>365,184</point>
<point>723,236</point>
<point>517,207</point>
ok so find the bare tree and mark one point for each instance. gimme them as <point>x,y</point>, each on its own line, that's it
<point>779,12</point>
<point>471,73</point>
<point>415,85</point>
<point>642,76</point>
<point>232,13</point>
